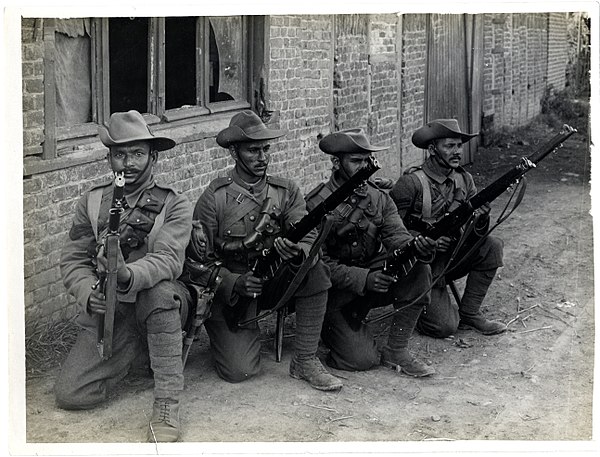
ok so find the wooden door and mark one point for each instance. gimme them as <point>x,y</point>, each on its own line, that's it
<point>454,72</point>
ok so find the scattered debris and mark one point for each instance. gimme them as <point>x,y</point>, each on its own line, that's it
<point>462,343</point>
<point>326,408</point>
<point>342,418</point>
<point>565,304</point>
<point>527,417</point>
<point>536,329</point>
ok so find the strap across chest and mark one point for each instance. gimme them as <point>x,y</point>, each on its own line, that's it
<point>242,203</point>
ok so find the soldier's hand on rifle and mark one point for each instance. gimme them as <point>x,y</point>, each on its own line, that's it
<point>377,281</point>
<point>97,302</point>
<point>443,243</point>
<point>123,273</point>
<point>425,246</point>
<point>248,285</point>
<point>286,249</point>
<point>483,210</point>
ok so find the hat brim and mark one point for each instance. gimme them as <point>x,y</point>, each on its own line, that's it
<point>234,134</point>
<point>159,143</point>
<point>341,143</point>
<point>425,135</point>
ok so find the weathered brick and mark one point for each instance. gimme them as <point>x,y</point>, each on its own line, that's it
<point>309,80</point>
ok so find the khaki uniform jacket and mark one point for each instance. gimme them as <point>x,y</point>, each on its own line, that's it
<point>158,256</point>
<point>447,191</point>
<point>229,209</point>
<point>366,226</point>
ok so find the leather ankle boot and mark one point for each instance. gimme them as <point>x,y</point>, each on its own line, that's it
<point>164,424</point>
<point>313,371</point>
<point>476,288</point>
<point>403,362</point>
<point>483,325</point>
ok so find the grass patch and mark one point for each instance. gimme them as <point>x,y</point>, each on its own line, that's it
<point>47,344</point>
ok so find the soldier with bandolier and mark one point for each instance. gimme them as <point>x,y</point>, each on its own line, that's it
<point>244,214</point>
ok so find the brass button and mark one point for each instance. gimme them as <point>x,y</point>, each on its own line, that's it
<point>355,244</point>
<point>228,232</point>
<point>252,218</point>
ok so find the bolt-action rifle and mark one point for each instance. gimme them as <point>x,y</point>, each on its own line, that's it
<point>108,280</point>
<point>278,275</point>
<point>400,261</point>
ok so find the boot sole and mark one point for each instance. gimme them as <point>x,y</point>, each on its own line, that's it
<point>152,437</point>
<point>323,388</point>
<point>470,327</point>
<point>401,369</point>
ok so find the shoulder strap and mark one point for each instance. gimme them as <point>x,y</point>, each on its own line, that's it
<point>160,218</point>
<point>315,191</point>
<point>94,199</point>
<point>426,211</point>
<point>220,195</point>
<point>278,181</point>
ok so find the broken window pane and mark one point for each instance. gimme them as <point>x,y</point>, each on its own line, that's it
<point>226,69</point>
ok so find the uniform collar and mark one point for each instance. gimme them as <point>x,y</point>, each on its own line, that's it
<point>437,173</point>
<point>336,182</point>
<point>133,197</point>
<point>254,188</point>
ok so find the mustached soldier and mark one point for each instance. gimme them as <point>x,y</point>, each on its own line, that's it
<point>154,232</point>
<point>425,195</point>
<point>366,228</point>
<point>244,213</point>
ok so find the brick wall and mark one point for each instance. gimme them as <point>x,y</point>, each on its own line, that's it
<point>325,73</point>
<point>351,85</point>
<point>522,54</point>
<point>384,118</point>
<point>300,84</point>
<point>33,85</point>
<point>413,78</point>
<point>557,50</point>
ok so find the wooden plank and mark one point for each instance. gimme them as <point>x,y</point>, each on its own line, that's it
<point>477,66</point>
<point>49,146</point>
<point>104,57</point>
<point>448,89</point>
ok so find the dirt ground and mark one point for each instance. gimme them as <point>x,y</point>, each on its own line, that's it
<point>532,384</point>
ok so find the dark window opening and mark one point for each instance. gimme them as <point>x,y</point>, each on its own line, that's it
<point>180,62</point>
<point>128,43</point>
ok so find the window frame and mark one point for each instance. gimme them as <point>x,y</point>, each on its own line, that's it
<point>60,142</point>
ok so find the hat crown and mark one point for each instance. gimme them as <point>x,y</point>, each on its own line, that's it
<point>439,128</point>
<point>124,126</point>
<point>248,121</point>
<point>451,124</point>
<point>246,126</point>
<point>130,126</point>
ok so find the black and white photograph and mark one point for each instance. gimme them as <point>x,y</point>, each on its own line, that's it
<point>332,229</point>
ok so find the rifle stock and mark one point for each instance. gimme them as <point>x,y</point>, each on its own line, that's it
<point>270,267</point>
<point>109,280</point>
<point>401,260</point>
